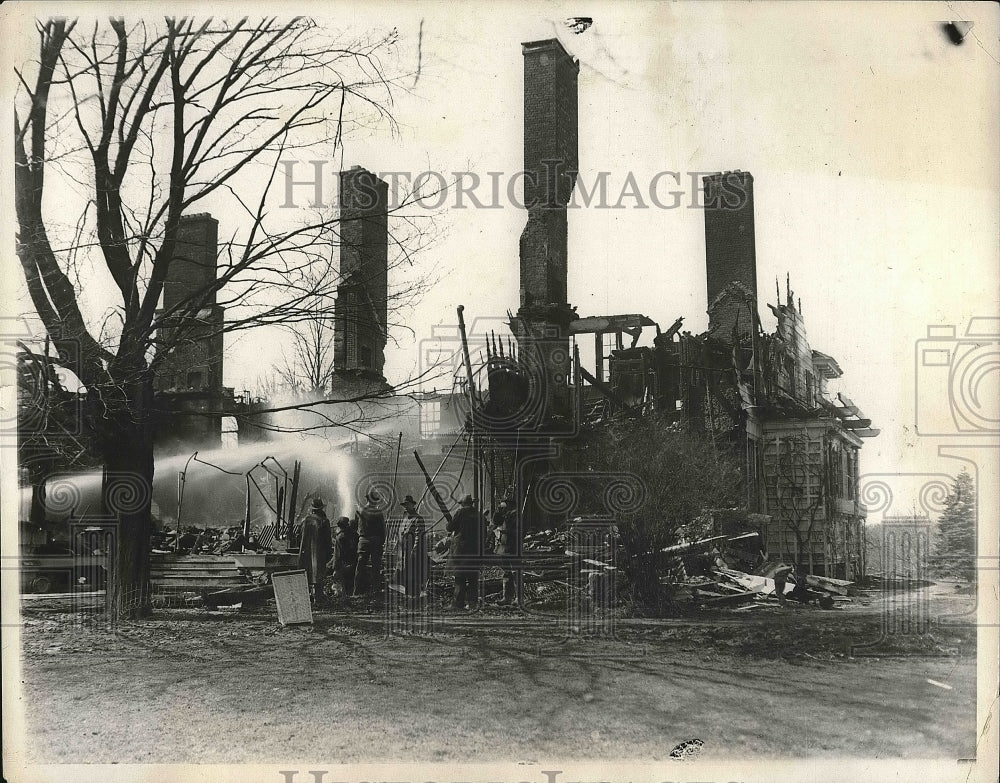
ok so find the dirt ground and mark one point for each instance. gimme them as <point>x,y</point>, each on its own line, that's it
<point>198,687</point>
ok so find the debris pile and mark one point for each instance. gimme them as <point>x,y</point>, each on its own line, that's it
<point>210,540</point>
<point>708,580</point>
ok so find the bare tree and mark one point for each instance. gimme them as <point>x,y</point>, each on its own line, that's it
<point>143,123</point>
<point>308,365</point>
<point>797,490</point>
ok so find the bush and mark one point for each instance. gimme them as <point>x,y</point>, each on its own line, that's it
<point>681,472</point>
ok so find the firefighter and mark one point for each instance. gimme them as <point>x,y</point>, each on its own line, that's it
<point>466,529</point>
<point>316,548</point>
<point>413,548</point>
<point>371,544</point>
<point>345,562</point>
<point>506,521</point>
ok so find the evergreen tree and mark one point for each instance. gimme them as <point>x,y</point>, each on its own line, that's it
<point>955,542</point>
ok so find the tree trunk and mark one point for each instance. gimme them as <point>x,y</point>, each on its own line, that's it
<point>127,495</point>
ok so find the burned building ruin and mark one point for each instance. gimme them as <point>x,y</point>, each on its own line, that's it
<point>762,394</point>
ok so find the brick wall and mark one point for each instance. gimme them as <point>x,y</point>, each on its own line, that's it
<point>195,360</point>
<point>730,251</point>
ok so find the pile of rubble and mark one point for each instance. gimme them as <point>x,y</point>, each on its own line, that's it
<point>210,540</point>
<point>699,573</point>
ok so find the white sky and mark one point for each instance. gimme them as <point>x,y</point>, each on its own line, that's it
<point>873,142</point>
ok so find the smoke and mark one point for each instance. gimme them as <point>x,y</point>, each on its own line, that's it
<point>214,490</point>
<point>343,448</point>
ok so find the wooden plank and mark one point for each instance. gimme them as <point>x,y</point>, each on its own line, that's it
<point>736,598</point>
<point>198,584</point>
<point>196,571</point>
<point>838,586</point>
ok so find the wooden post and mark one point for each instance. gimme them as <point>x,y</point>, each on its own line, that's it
<point>180,502</point>
<point>493,480</point>
<point>599,355</point>
<point>293,497</point>
<point>578,383</point>
<point>432,489</point>
<point>395,472</point>
<point>280,508</point>
<point>246,518</point>
<point>472,403</point>
<point>440,467</point>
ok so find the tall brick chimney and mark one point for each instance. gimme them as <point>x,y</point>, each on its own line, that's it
<point>730,253</point>
<point>362,296</point>
<point>550,165</point>
<point>195,361</point>
<point>189,377</point>
<point>193,266</point>
<point>542,323</point>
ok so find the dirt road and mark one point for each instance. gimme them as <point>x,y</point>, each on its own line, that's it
<point>201,688</point>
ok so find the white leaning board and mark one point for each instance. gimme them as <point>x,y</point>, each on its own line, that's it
<point>291,594</point>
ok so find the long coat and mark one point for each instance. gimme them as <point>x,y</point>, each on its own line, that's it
<point>413,548</point>
<point>316,547</point>
<point>466,526</point>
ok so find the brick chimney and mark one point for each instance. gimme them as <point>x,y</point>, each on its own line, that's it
<point>542,323</point>
<point>730,253</point>
<point>195,361</point>
<point>193,267</point>
<point>550,165</point>
<point>189,376</point>
<point>362,296</point>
